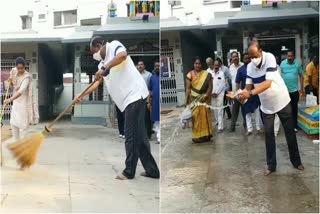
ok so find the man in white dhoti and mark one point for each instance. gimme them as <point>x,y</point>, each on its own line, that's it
<point>24,111</point>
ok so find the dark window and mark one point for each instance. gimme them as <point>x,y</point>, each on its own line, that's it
<point>26,22</point>
<point>41,16</point>
<point>65,17</point>
<point>57,18</point>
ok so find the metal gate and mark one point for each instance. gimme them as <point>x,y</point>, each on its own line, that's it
<point>168,85</point>
<point>7,63</point>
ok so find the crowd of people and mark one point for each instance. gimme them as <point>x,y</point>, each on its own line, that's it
<point>269,94</point>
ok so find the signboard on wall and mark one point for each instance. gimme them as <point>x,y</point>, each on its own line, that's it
<point>165,69</point>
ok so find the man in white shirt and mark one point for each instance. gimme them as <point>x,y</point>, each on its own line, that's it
<point>236,64</point>
<point>218,91</point>
<point>129,92</point>
<point>144,73</point>
<point>227,77</point>
<point>263,73</point>
<point>146,76</point>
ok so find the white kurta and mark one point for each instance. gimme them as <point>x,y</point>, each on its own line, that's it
<point>19,112</point>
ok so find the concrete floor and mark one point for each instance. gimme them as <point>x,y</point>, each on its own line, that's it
<point>227,175</point>
<point>75,172</point>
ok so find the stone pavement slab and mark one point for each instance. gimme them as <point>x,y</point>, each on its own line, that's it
<point>226,175</point>
<point>75,172</point>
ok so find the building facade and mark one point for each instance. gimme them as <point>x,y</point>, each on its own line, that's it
<point>230,26</point>
<point>54,38</point>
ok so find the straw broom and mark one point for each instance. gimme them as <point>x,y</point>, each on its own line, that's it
<point>2,113</point>
<point>26,149</point>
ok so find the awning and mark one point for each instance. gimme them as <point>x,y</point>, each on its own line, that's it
<point>173,24</point>
<point>28,37</point>
<point>216,23</point>
<point>125,25</point>
<point>77,37</point>
<point>270,14</point>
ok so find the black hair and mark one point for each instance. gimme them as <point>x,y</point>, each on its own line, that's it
<point>291,51</point>
<point>20,60</point>
<point>140,60</point>
<point>197,58</point>
<point>233,52</point>
<point>96,40</point>
<point>245,53</point>
<point>219,60</point>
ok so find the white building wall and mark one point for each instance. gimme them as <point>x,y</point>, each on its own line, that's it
<point>198,9</point>
<point>11,11</point>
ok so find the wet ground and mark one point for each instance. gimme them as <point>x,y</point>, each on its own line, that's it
<point>75,172</point>
<point>227,174</point>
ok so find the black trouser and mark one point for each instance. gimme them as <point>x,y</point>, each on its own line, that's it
<point>226,109</point>
<point>235,113</point>
<point>120,118</point>
<point>294,106</point>
<point>148,122</point>
<point>314,91</point>
<point>137,143</point>
<point>285,116</point>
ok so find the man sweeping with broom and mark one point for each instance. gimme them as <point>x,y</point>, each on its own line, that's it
<point>129,91</point>
<point>23,112</point>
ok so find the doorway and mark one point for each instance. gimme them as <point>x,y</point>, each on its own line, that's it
<point>148,60</point>
<point>278,46</point>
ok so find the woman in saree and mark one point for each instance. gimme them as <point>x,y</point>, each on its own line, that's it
<point>199,88</point>
<point>24,108</point>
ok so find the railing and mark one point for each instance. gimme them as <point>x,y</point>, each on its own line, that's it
<point>168,84</point>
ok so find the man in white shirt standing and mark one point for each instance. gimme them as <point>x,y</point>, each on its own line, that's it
<point>236,64</point>
<point>227,77</point>
<point>146,76</point>
<point>263,73</point>
<point>218,93</point>
<point>129,92</point>
<point>144,73</point>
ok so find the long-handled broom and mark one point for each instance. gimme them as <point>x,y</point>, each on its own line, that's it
<point>26,149</point>
<point>1,116</point>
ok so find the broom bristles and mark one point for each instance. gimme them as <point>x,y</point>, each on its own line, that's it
<point>26,149</point>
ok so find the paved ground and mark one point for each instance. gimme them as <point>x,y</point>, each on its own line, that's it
<point>227,175</point>
<point>75,172</point>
